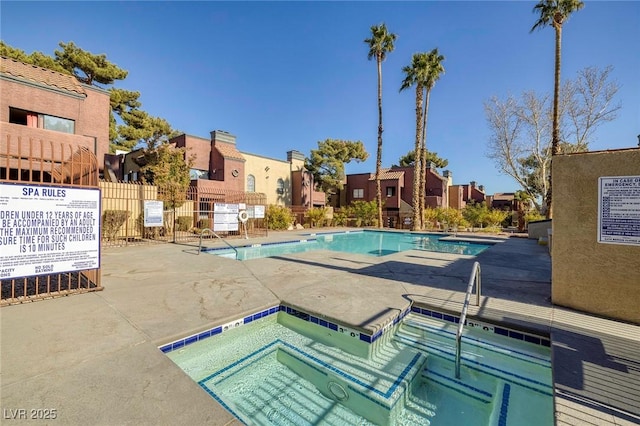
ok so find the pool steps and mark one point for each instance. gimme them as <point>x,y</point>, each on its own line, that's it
<point>510,396</point>
<point>487,357</point>
<point>375,394</point>
<point>487,388</point>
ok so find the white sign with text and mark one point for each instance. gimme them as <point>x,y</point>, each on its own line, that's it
<point>48,229</point>
<point>153,213</point>
<point>619,210</point>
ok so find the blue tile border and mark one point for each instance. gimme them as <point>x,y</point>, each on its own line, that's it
<point>503,331</point>
<point>538,340</point>
<point>504,407</point>
<point>213,250</point>
<point>291,311</point>
<point>217,330</point>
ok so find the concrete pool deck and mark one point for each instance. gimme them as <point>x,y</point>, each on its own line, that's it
<point>94,357</point>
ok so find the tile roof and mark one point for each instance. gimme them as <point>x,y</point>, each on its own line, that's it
<point>504,196</point>
<point>387,174</point>
<point>229,151</point>
<point>40,75</point>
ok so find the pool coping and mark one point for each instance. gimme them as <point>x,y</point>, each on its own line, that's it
<point>352,331</point>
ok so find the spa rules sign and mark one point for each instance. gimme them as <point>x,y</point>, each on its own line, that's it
<point>619,210</point>
<point>48,229</point>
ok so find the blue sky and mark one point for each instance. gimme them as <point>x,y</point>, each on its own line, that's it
<point>285,75</point>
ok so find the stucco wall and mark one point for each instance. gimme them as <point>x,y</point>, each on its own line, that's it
<point>600,278</point>
<point>267,171</point>
<point>538,229</point>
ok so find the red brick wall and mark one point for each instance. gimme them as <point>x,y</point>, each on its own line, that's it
<point>90,113</point>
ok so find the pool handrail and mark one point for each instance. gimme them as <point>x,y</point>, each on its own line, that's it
<point>475,277</point>
<point>216,235</point>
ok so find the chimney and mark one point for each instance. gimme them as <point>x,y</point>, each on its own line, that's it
<point>473,183</point>
<point>481,188</point>
<point>447,174</point>
<point>222,136</point>
<point>294,155</point>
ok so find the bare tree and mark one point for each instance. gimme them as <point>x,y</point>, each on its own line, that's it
<point>520,144</point>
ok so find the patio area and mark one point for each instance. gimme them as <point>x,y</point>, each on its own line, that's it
<point>94,357</point>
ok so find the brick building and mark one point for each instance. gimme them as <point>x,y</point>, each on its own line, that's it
<point>39,106</point>
<point>396,185</point>
<point>219,165</point>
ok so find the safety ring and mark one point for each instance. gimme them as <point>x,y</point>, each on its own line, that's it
<point>243,216</point>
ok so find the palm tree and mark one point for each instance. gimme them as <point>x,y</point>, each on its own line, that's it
<point>555,13</point>
<point>380,43</point>
<point>416,74</point>
<point>434,70</point>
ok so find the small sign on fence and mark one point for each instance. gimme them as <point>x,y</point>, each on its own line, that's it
<point>225,217</point>
<point>153,213</point>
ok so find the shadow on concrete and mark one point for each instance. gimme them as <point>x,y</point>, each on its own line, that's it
<point>509,273</point>
<point>598,372</point>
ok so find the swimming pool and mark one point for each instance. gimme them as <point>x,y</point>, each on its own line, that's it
<point>373,243</point>
<point>285,367</point>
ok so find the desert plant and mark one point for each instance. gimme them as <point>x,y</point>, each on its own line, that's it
<point>365,212</point>
<point>317,216</point>
<point>184,223</point>
<point>279,217</point>
<point>340,217</point>
<point>112,221</point>
<point>451,217</point>
<point>495,217</point>
<point>430,217</point>
<point>475,213</point>
<point>533,216</point>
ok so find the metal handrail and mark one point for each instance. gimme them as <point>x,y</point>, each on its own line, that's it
<point>475,277</point>
<point>216,235</point>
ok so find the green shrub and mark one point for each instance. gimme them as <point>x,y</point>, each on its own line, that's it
<point>279,217</point>
<point>112,220</point>
<point>365,212</point>
<point>476,213</point>
<point>451,217</point>
<point>533,216</point>
<point>183,223</point>
<point>317,216</point>
<point>430,217</point>
<point>495,217</point>
<point>340,217</point>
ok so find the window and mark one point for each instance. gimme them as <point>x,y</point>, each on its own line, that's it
<point>280,186</point>
<point>358,193</point>
<point>251,183</point>
<point>391,191</point>
<point>198,174</point>
<point>44,121</point>
<point>58,124</point>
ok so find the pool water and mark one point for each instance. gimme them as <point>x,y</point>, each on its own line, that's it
<point>374,243</point>
<point>284,370</point>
